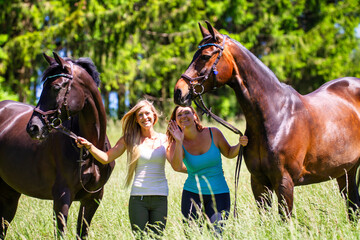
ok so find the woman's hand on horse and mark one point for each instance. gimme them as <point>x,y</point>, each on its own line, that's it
<point>175,131</point>
<point>243,140</point>
<point>82,142</point>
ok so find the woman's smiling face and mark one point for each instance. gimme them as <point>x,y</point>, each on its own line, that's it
<point>145,117</point>
<point>184,116</point>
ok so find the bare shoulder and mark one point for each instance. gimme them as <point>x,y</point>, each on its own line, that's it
<point>163,138</point>
<point>217,136</point>
<point>215,131</point>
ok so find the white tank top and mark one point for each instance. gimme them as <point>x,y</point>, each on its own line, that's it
<point>150,176</point>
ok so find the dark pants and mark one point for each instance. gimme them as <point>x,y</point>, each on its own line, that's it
<point>148,213</point>
<point>215,211</point>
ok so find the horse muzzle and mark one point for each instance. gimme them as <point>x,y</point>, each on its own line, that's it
<point>181,100</point>
<point>37,129</point>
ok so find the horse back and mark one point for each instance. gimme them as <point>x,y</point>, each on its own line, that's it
<point>24,162</point>
<point>13,116</point>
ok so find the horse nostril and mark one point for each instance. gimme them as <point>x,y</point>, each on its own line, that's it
<point>177,96</point>
<point>177,93</point>
<point>33,130</point>
<point>181,100</point>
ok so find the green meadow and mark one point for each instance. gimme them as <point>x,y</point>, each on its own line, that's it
<point>319,211</point>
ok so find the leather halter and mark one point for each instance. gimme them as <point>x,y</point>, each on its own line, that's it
<point>56,121</point>
<point>204,77</point>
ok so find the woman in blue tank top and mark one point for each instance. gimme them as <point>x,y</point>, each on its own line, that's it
<point>196,150</point>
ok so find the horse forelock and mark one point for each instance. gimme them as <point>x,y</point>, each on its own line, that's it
<point>205,39</point>
<point>85,63</point>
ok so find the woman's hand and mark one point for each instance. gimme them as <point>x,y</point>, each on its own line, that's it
<point>175,152</point>
<point>82,142</point>
<point>243,140</point>
<point>175,131</point>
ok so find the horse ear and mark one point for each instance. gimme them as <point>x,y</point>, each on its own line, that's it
<point>214,33</point>
<point>49,59</point>
<point>204,31</point>
<point>63,63</point>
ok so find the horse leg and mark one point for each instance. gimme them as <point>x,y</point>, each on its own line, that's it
<point>88,207</point>
<point>262,193</point>
<point>350,192</point>
<point>285,194</point>
<point>62,202</point>
<point>9,199</point>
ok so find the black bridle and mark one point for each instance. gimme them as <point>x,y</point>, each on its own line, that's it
<point>198,100</point>
<point>213,70</point>
<point>52,117</point>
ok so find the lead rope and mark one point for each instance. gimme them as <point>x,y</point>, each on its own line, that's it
<point>234,130</point>
<point>72,135</point>
<point>82,184</point>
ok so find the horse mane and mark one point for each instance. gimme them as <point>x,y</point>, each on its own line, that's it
<point>259,63</point>
<point>83,62</point>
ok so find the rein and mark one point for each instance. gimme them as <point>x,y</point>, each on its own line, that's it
<point>200,104</point>
<point>72,135</point>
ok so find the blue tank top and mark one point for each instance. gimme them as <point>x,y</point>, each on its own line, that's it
<point>205,173</point>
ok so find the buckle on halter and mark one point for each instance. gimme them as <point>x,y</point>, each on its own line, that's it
<point>201,89</point>
<point>56,122</point>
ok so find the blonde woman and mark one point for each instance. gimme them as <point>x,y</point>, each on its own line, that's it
<point>146,154</point>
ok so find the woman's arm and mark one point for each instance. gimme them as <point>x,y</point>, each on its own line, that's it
<point>175,156</point>
<point>174,152</point>
<point>101,156</point>
<point>225,148</point>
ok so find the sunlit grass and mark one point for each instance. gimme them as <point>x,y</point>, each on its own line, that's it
<point>319,211</point>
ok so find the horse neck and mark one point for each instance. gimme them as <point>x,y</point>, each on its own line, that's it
<point>92,119</point>
<point>258,90</point>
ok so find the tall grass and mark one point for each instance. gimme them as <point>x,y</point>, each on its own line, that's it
<point>319,211</point>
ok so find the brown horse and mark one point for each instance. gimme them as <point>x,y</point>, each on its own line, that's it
<point>294,139</point>
<point>46,165</point>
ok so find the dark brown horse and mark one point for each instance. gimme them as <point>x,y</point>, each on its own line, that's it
<point>46,165</point>
<point>294,139</point>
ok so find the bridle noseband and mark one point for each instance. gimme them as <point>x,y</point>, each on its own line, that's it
<point>56,120</point>
<point>204,77</point>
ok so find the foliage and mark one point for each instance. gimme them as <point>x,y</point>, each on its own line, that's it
<point>142,47</point>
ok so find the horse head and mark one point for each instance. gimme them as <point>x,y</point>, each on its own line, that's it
<point>210,68</point>
<point>66,87</point>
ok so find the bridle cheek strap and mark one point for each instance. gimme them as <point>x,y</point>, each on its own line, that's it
<point>45,114</point>
<point>213,69</point>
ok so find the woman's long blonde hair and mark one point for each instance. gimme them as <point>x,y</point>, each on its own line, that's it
<point>132,136</point>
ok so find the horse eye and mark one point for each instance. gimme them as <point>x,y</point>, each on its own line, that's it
<point>205,57</point>
<point>56,87</point>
